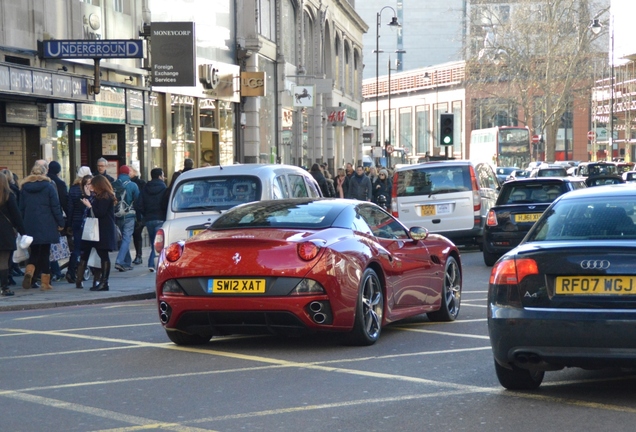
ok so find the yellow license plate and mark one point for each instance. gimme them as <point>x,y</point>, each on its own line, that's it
<point>192,233</point>
<point>236,286</point>
<point>428,210</point>
<point>527,217</point>
<point>603,285</point>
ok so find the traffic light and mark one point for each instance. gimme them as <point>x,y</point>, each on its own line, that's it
<point>446,122</point>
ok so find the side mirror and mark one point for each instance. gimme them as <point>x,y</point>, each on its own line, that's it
<point>418,233</point>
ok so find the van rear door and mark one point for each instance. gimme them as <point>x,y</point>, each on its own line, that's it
<point>437,196</point>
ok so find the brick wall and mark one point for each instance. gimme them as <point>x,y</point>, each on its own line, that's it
<point>12,149</point>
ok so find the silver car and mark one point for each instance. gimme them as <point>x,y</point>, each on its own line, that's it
<point>199,196</point>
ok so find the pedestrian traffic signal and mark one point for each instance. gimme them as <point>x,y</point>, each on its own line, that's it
<point>446,122</point>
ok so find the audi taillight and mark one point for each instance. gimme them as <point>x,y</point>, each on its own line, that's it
<point>159,239</point>
<point>513,271</point>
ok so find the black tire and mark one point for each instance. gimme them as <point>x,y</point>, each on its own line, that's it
<point>451,293</point>
<point>369,311</point>
<point>517,378</point>
<point>490,259</point>
<point>185,339</point>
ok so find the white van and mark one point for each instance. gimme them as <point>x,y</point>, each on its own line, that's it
<point>199,196</point>
<point>449,197</point>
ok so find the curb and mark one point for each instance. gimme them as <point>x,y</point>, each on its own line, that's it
<point>50,305</point>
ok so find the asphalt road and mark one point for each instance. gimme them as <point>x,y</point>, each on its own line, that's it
<point>111,368</point>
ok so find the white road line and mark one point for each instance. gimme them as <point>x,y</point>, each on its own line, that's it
<point>474,305</point>
<point>443,333</point>
<point>98,412</point>
<point>276,363</point>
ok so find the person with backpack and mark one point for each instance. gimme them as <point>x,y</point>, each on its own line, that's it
<point>126,192</point>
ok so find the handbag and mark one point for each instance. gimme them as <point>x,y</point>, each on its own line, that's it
<point>60,251</point>
<point>94,260</point>
<point>91,228</point>
<point>21,253</point>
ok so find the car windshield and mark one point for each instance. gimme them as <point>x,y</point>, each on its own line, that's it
<point>433,180</point>
<point>280,214</point>
<point>216,193</point>
<point>587,219</point>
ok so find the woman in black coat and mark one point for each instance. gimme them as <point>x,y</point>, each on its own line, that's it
<point>10,222</point>
<point>103,208</point>
<point>317,174</point>
<point>383,187</point>
<point>75,215</point>
<point>14,268</point>
<point>43,220</point>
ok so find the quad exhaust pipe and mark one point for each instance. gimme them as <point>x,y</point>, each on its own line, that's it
<point>164,312</point>
<point>320,312</point>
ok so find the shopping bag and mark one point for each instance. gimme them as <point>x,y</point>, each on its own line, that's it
<point>21,253</point>
<point>60,251</point>
<point>91,228</point>
<point>94,260</point>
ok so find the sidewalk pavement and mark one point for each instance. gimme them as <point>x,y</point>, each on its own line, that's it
<point>135,284</point>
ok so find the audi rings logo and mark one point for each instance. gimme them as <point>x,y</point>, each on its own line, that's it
<point>595,264</point>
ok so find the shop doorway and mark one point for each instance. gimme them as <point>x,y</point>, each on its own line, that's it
<point>209,147</point>
<point>103,140</point>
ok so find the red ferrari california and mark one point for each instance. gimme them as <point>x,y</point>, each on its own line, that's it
<point>293,266</point>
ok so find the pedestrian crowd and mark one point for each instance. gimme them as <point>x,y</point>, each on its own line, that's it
<point>373,185</point>
<point>43,221</point>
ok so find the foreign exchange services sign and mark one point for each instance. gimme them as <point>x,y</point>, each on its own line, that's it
<point>173,54</point>
<point>113,48</point>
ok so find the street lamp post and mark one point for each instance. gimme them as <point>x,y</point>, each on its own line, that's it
<point>394,23</point>
<point>388,142</point>
<point>596,27</point>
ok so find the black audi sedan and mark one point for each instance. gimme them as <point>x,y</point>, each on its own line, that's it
<point>519,204</point>
<point>566,296</point>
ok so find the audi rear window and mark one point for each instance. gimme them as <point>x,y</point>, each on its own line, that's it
<point>598,219</point>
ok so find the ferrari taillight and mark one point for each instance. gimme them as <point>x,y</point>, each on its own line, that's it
<point>174,251</point>
<point>308,251</point>
<point>512,271</point>
<point>491,220</point>
<point>159,239</point>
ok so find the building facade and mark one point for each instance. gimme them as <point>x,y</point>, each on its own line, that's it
<point>311,55</point>
<point>131,110</point>
<point>431,32</point>
<point>73,110</point>
<point>408,105</point>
